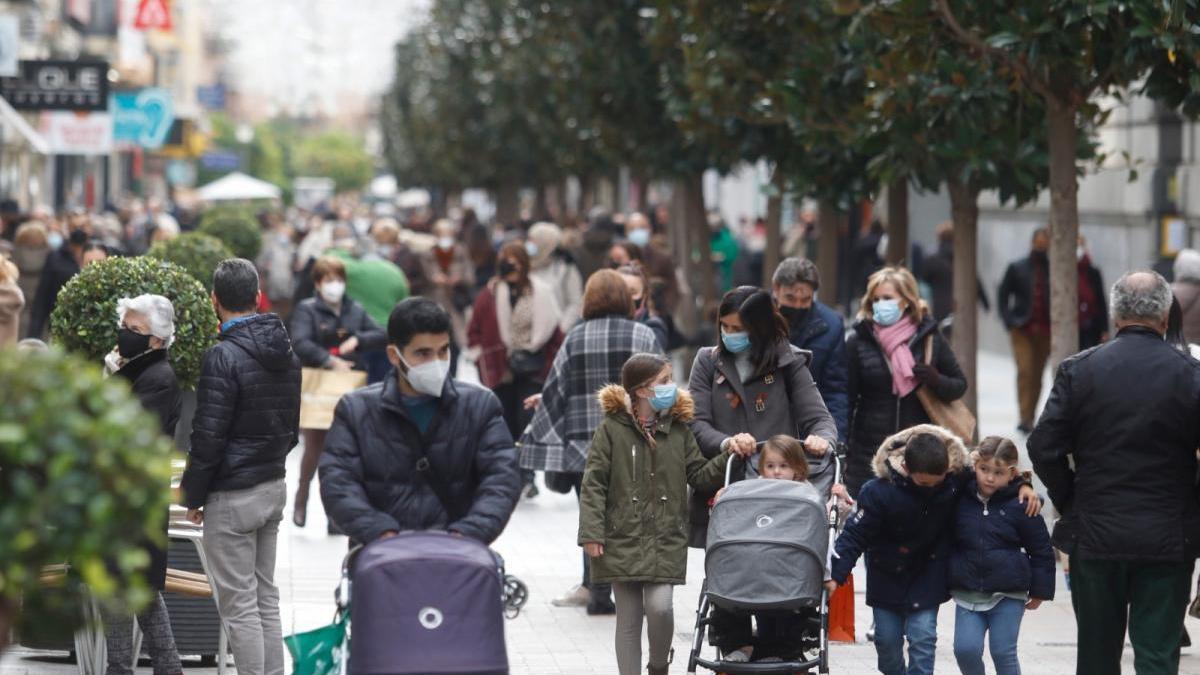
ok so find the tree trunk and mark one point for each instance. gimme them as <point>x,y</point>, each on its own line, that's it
<point>1064,232</point>
<point>704,283</point>
<point>6,622</point>
<point>565,217</point>
<point>508,204</point>
<point>827,251</point>
<point>897,222</point>
<point>964,210</point>
<point>541,204</point>
<point>587,193</point>
<point>774,227</point>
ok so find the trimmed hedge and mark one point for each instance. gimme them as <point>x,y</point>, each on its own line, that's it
<point>237,229</point>
<point>85,316</point>
<point>84,477</point>
<point>197,253</point>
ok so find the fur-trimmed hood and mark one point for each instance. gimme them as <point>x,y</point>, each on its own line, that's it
<point>890,455</point>
<point>614,399</point>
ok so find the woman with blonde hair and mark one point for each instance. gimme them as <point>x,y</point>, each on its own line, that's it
<point>885,354</point>
<point>12,300</point>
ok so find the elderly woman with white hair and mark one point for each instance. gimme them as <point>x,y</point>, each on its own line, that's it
<point>147,329</point>
<point>555,268</point>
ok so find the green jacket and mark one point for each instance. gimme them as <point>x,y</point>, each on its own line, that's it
<point>634,499</point>
<point>376,284</point>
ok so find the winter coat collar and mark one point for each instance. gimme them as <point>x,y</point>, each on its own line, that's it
<point>1002,496</point>
<point>925,327</point>
<point>391,397</point>
<point>615,401</point>
<point>140,364</point>
<point>888,459</point>
<point>264,338</point>
<point>1140,331</point>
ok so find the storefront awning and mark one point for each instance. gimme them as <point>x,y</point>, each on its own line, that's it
<point>11,119</point>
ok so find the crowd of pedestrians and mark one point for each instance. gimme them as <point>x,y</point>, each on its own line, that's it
<point>573,335</point>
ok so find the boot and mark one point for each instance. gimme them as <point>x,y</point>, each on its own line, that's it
<point>656,670</point>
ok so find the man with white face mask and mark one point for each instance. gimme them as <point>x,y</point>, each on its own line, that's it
<point>437,451</point>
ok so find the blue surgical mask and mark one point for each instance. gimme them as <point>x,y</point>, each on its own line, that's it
<point>664,396</point>
<point>640,237</point>
<point>531,248</point>
<point>54,240</point>
<point>736,342</point>
<point>886,312</point>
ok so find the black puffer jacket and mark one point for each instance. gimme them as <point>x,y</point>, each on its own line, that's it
<point>875,412</point>
<point>316,329</point>
<point>247,410</point>
<point>370,481</point>
<point>1128,414</point>
<point>154,383</point>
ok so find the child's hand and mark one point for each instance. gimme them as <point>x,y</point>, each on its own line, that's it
<point>1029,497</point>
<point>1033,603</point>
<point>831,586</point>
<point>593,549</point>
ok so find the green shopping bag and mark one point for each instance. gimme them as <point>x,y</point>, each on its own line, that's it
<point>320,651</point>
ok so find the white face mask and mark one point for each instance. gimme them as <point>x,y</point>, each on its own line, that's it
<point>445,243</point>
<point>427,378</point>
<point>332,291</point>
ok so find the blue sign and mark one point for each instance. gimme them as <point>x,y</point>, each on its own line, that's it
<point>211,97</point>
<point>142,117</point>
<point>221,160</point>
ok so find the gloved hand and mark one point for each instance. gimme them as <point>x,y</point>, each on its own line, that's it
<point>926,374</point>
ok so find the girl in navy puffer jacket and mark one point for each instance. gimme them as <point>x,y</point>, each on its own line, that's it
<point>1002,563</point>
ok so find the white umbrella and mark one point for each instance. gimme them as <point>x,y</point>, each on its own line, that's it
<point>236,186</point>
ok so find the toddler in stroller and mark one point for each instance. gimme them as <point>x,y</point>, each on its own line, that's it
<point>767,558</point>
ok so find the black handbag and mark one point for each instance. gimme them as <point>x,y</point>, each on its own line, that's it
<point>524,363</point>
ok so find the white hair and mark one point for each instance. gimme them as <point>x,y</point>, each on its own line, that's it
<point>158,311</point>
<point>1141,296</point>
<point>1187,265</point>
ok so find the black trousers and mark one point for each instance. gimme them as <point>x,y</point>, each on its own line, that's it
<point>780,633</point>
<point>601,593</point>
<point>512,397</point>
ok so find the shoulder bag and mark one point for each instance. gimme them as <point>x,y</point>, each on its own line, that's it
<point>952,415</point>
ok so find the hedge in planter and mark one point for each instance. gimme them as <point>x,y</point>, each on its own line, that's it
<point>84,476</point>
<point>85,317</point>
<point>239,230</point>
<point>196,252</point>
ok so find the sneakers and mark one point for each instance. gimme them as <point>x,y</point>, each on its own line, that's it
<point>736,656</point>
<point>576,597</point>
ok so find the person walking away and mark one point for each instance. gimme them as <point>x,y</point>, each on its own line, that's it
<point>640,547</point>
<point>554,267</point>
<point>1117,452</point>
<point>885,355</point>
<point>753,385</point>
<point>1093,310</point>
<point>566,416</point>
<point>277,260</point>
<point>815,327</point>
<point>372,482</point>
<point>1002,563</point>
<point>141,357</point>
<point>938,272</point>
<point>31,247</point>
<point>12,301</point>
<point>332,332</point>
<point>247,417</point>
<point>1187,290</point>
<point>514,333</point>
<point>1024,302</point>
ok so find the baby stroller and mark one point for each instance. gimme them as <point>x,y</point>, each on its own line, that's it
<point>768,543</point>
<point>421,602</point>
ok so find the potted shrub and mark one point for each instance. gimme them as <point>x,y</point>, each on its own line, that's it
<point>84,476</point>
<point>84,320</point>
<point>197,253</point>
<point>237,229</point>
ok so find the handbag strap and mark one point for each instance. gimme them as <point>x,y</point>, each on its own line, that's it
<point>929,349</point>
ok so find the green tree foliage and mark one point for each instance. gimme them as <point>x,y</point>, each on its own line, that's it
<point>334,154</point>
<point>84,477</point>
<point>235,227</point>
<point>84,320</point>
<point>197,253</point>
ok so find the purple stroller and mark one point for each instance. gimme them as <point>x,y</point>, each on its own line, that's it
<point>428,602</point>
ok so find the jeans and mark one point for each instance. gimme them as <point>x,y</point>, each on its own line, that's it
<point>241,528</point>
<point>1002,623</point>
<point>892,628</point>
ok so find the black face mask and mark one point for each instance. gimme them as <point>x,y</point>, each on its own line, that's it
<point>505,268</point>
<point>78,237</point>
<point>131,344</point>
<point>794,315</point>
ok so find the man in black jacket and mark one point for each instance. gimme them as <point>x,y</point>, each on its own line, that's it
<point>1024,302</point>
<point>1116,448</point>
<point>419,451</point>
<point>246,422</point>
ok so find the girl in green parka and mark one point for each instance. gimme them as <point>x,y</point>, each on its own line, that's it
<point>633,507</point>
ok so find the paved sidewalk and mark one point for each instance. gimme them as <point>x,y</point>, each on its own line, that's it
<point>539,547</point>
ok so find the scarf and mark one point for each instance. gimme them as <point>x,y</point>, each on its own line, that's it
<point>894,341</point>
